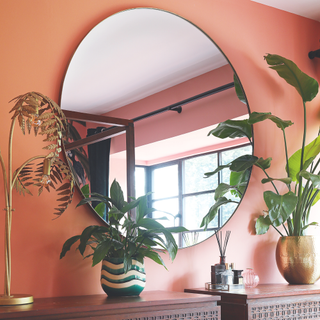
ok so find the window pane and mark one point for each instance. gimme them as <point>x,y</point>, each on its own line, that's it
<point>165,182</point>
<point>195,208</point>
<point>167,212</point>
<point>194,170</point>
<point>140,181</point>
<point>227,211</point>
<point>229,155</point>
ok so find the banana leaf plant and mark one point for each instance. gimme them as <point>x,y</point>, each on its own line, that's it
<point>290,210</point>
<point>128,235</point>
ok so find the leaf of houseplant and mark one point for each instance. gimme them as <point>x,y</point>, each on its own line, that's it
<point>150,224</point>
<point>239,92</point>
<point>284,180</point>
<point>261,116</point>
<point>240,180</point>
<point>306,86</point>
<point>222,189</point>
<point>103,248</point>
<point>116,194</point>
<point>94,197</point>
<point>310,224</point>
<point>314,178</point>
<point>87,233</point>
<point>155,257</point>
<point>310,152</point>
<point>262,225</point>
<point>67,245</point>
<point>209,174</point>
<point>213,211</point>
<point>243,162</point>
<point>280,206</point>
<point>171,244</point>
<point>263,163</point>
<point>84,238</point>
<point>232,129</point>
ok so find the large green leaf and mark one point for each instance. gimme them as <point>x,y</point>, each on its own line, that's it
<point>232,129</point>
<point>116,194</point>
<point>155,257</point>
<point>100,208</point>
<point>67,245</point>
<point>310,152</point>
<point>209,174</point>
<point>280,206</point>
<point>213,211</point>
<point>85,236</point>
<point>243,162</point>
<point>262,224</point>
<point>101,251</point>
<point>306,86</point>
<point>314,178</point>
<point>222,189</point>
<point>149,223</point>
<point>240,180</point>
<point>239,92</point>
<point>171,244</point>
<point>261,116</point>
<point>263,163</point>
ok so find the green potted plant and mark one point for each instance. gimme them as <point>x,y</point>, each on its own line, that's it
<point>290,210</point>
<point>123,244</point>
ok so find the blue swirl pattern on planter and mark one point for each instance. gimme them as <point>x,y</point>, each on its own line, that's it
<point>115,282</point>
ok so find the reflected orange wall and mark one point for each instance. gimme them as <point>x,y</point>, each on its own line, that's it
<point>37,40</point>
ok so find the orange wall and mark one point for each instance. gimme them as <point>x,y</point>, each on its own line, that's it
<point>37,40</point>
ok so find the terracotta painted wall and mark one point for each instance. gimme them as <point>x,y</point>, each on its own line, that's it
<point>37,39</point>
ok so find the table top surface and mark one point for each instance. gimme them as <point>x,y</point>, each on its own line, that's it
<point>103,302</point>
<point>263,291</point>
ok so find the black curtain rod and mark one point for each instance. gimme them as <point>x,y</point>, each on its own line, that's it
<point>177,106</point>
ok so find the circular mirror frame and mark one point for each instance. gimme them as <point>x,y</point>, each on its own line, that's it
<point>209,38</point>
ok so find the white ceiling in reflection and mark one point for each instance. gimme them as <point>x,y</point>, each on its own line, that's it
<point>129,56</point>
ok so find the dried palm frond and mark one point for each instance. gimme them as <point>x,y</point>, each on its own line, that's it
<point>52,121</point>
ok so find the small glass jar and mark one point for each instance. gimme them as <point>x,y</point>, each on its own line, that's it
<point>250,278</point>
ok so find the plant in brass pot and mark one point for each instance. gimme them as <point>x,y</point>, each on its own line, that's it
<point>123,244</point>
<point>289,210</point>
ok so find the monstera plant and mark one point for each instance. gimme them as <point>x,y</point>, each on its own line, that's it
<point>291,209</point>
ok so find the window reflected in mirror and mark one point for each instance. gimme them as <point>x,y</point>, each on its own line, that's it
<point>182,195</point>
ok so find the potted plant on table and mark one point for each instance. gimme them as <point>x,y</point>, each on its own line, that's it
<point>291,210</point>
<point>123,244</point>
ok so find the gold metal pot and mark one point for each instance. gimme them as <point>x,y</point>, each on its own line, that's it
<point>298,259</point>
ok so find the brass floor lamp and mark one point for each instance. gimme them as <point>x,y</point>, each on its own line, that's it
<point>34,111</point>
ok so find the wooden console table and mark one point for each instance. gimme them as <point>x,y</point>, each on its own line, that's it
<point>269,301</point>
<point>150,305</point>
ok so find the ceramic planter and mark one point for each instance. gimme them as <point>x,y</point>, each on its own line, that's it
<point>298,259</point>
<point>115,282</point>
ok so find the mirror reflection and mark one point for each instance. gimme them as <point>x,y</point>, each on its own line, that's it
<point>144,64</point>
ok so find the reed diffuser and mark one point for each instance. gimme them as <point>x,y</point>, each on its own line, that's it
<point>219,268</point>
<point>222,245</point>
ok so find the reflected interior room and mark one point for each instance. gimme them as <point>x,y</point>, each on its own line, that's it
<point>164,72</point>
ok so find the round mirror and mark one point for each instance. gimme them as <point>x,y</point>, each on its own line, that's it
<point>165,74</point>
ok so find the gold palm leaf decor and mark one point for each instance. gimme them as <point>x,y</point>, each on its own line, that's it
<point>38,113</point>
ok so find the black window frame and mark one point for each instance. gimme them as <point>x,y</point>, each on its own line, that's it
<point>181,194</point>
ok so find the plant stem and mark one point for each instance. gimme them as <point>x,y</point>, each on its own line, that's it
<point>275,188</point>
<point>287,158</point>
<point>277,230</point>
